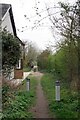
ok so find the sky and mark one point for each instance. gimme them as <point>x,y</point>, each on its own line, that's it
<point>25,16</point>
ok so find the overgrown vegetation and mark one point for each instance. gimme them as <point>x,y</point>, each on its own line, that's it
<point>26,69</point>
<point>11,52</point>
<point>68,107</point>
<point>64,63</point>
<point>17,101</point>
<point>31,53</point>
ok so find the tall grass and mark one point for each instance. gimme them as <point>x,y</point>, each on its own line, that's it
<point>68,107</point>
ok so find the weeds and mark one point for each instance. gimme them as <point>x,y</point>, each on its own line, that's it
<point>18,108</point>
<point>68,106</point>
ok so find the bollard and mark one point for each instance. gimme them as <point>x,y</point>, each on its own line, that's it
<point>57,91</point>
<point>28,84</point>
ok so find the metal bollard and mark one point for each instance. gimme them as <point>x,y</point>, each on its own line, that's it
<point>28,84</point>
<point>57,91</point>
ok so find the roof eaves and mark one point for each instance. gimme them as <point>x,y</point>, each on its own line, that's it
<point>12,21</point>
<point>20,41</point>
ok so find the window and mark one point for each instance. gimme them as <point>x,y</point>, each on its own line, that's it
<point>18,66</point>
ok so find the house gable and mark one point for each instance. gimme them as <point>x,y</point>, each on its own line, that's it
<point>5,7</point>
<point>8,19</point>
<point>12,21</point>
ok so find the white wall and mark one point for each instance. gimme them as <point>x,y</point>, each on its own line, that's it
<point>11,75</point>
<point>6,22</point>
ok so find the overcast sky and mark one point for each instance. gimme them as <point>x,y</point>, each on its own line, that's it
<point>42,35</point>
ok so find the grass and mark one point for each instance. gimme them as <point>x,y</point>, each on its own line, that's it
<point>18,106</point>
<point>68,107</point>
<point>26,69</point>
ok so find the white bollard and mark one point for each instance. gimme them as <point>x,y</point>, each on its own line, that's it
<point>57,91</point>
<point>28,84</point>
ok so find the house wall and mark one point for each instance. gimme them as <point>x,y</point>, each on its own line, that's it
<point>22,51</point>
<point>17,73</point>
<point>6,23</point>
<point>11,75</point>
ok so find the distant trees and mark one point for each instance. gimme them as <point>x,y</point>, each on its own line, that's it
<point>31,52</point>
<point>67,24</point>
<point>42,60</point>
<point>78,39</point>
<point>11,52</point>
<point>65,61</point>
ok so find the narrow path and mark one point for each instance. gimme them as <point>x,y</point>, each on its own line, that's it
<point>40,110</point>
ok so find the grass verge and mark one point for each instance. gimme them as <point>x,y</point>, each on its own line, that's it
<point>18,101</point>
<point>26,69</point>
<point>67,108</point>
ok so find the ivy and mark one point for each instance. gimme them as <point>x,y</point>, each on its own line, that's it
<point>11,51</point>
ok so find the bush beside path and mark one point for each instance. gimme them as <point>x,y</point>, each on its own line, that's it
<point>68,107</point>
<point>17,101</point>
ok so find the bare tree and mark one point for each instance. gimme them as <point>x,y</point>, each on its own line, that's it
<point>31,52</point>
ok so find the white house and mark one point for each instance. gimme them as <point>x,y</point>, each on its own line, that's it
<point>8,23</point>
